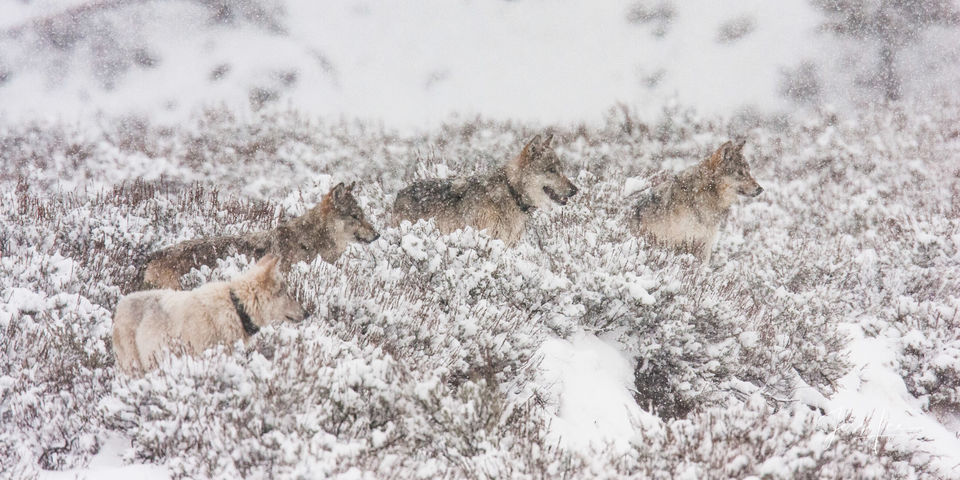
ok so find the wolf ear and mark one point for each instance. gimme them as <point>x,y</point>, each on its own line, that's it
<point>350,188</point>
<point>338,192</point>
<point>266,269</point>
<point>738,147</point>
<point>717,158</point>
<point>268,261</point>
<point>535,142</point>
<point>546,141</point>
<point>533,148</point>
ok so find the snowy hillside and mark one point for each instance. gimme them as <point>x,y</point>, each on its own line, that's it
<point>416,64</point>
<point>822,340</point>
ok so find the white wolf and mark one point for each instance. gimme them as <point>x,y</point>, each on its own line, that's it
<point>145,323</point>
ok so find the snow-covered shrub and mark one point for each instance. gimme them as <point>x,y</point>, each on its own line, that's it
<point>56,364</point>
<point>463,300</point>
<point>754,441</point>
<point>305,403</point>
<point>924,305</point>
<point>65,261</point>
<point>931,357</point>
<point>690,330</point>
<point>316,399</point>
<point>419,358</point>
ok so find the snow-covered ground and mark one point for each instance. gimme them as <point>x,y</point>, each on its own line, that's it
<point>594,379</point>
<point>874,391</point>
<point>109,465</point>
<point>821,341</point>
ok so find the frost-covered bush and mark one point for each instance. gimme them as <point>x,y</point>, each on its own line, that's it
<point>462,304</point>
<point>56,363</point>
<point>420,356</point>
<point>65,260</point>
<point>754,441</point>
<point>931,357</point>
<point>924,305</point>
<point>306,403</point>
<point>301,403</point>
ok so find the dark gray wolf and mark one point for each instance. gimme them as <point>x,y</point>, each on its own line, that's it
<point>324,230</point>
<point>499,201</point>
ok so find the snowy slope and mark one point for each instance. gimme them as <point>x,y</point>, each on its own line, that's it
<point>409,64</point>
<point>823,340</point>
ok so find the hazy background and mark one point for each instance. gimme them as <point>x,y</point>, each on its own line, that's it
<point>414,64</point>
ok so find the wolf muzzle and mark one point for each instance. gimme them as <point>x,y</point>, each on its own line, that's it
<point>558,198</point>
<point>753,193</point>
<point>367,238</point>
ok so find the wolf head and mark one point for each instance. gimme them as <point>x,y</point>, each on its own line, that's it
<point>728,167</point>
<point>536,173</point>
<point>344,218</point>
<point>264,295</point>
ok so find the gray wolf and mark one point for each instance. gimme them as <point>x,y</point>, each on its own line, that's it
<point>145,323</point>
<point>687,211</point>
<point>499,201</point>
<point>324,230</point>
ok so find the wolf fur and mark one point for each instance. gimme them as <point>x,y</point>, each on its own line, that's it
<point>145,323</point>
<point>324,230</point>
<point>499,201</point>
<point>687,211</point>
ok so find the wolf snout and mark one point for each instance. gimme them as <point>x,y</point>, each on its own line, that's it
<point>297,318</point>
<point>750,192</point>
<point>573,190</point>
<point>367,237</point>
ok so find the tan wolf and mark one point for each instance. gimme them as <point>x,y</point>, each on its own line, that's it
<point>687,211</point>
<point>324,230</point>
<point>499,201</point>
<point>145,323</point>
